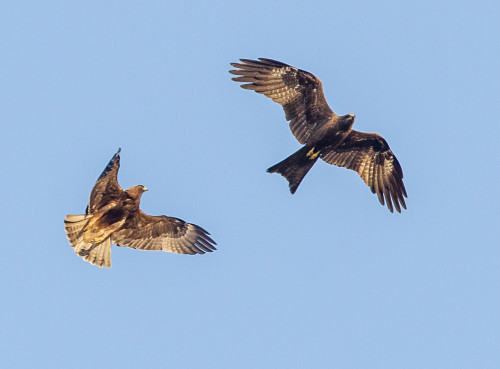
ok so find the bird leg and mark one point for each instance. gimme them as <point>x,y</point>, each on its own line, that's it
<point>84,252</point>
<point>96,237</point>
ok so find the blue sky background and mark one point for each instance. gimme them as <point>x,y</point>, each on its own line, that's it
<point>327,278</point>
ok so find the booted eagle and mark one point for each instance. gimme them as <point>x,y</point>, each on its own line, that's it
<point>324,134</point>
<point>113,216</point>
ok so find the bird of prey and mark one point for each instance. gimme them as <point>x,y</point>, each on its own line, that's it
<point>324,134</point>
<point>113,216</point>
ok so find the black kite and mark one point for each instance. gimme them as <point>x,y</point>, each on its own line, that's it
<point>113,216</point>
<point>324,134</point>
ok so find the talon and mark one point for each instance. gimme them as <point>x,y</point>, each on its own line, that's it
<point>312,155</point>
<point>83,252</point>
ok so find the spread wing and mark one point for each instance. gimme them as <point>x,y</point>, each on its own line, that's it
<point>148,232</point>
<point>370,156</point>
<point>106,188</point>
<point>299,92</point>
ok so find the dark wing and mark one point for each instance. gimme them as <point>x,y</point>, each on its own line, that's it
<point>106,188</point>
<point>370,156</point>
<point>148,232</point>
<point>299,92</point>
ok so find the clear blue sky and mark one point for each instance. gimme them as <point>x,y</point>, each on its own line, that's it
<point>326,278</point>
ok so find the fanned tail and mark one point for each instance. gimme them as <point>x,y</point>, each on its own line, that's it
<point>98,254</point>
<point>295,167</point>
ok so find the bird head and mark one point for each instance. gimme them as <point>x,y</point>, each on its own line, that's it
<point>137,191</point>
<point>347,121</point>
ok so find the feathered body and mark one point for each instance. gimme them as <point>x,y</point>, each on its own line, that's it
<point>114,216</point>
<point>324,134</point>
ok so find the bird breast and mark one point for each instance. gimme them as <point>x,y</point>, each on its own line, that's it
<point>330,135</point>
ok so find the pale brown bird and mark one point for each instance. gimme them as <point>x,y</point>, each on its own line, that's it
<point>113,216</point>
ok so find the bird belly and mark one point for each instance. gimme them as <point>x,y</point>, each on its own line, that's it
<point>332,139</point>
<point>101,229</point>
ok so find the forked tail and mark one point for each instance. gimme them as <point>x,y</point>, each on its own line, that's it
<point>295,167</point>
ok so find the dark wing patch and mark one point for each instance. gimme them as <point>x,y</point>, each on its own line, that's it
<point>106,188</point>
<point>299,92</point>
<point>370,156</point>
<point>148,232</point>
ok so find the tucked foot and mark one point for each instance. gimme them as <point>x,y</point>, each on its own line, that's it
<point>85,252</point>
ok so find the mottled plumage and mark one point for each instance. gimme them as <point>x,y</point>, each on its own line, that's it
<point>324,134</point>
<point>113,216</point>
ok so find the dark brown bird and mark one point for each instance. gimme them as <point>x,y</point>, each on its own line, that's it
<point>113,216</point>
<point>324,134</point>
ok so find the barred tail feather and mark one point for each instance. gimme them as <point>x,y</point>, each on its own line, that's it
<point>74,224</point>
<point>98,254</point>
